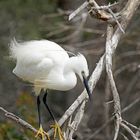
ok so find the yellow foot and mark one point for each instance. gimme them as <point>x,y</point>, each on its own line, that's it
<point>57,131</point>
<point>41,133</point>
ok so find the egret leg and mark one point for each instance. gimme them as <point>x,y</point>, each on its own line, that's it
<point>38,109</point>
<point>40,133</point>
<point>57,130</point>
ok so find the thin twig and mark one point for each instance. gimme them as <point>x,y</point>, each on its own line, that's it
<point>114,16</point>
<point>125,137</point>
<point>131,105</point>
<point>111,119</point>
<point>131,125</point>
<point>78,10</point>
<point>76,121</point>
<point>18,120</point>
<point>129,131</point>
<point>101,10</point>
<point>105,7</point>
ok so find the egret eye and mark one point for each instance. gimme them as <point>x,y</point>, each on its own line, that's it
<point>83,73</point>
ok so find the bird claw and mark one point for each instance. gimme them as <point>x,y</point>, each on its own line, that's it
<point>57,131</point>
<point>41,133</point>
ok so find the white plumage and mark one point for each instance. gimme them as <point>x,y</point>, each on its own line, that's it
<point>47,65</point>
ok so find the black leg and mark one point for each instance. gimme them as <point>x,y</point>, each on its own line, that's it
<point>38,108</point>
<point>46,105</point>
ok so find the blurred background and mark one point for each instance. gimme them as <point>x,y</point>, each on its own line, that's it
<point>48,19</point>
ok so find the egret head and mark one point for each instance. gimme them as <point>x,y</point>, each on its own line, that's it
<point>81,66</point>
<point>82,70</point>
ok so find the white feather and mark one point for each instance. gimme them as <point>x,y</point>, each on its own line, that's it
<point>46,65</point>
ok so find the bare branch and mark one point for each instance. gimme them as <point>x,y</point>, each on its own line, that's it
<point>131,125</point>
<point>99,11</point>
<point>116,99</point>
<point>99,68</point>
<point>114,16</point>
<point>131,105</point>
<point>76,121</point>
<point>78,10</point>
<point>124,136</point>
<point>111,119</point>
<point>129,131</point>
<point>18,120</point>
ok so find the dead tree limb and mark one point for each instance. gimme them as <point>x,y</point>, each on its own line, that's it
<point>18,120</point>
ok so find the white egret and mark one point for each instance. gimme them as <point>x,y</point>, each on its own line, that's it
<point>48,66</point>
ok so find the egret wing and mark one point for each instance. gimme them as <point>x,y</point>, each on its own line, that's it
<point>30,68</point>
<point>35,59</point>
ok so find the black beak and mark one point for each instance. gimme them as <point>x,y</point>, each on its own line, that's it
<point>85,81</point>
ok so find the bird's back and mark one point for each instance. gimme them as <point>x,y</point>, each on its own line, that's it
<point>45,48</point>
<point>36,58</point>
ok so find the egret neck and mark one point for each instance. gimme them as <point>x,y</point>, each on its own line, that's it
<point>75,66</point>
